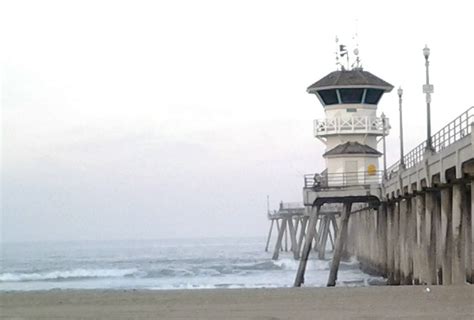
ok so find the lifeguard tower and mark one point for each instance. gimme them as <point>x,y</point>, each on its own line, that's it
<point>351,131</point>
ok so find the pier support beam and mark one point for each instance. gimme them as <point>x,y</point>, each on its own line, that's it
<point>403,242</point>
<point>304,222</point>
<point>458,264</point>
<point>278,243</point>
<point>269,235</point>
<point>445,238</point>
<point>307,246</point>
<point>469,236</point>
<point>396,243</point>
<point>332,222</point>
<point>341,239</point>
<point>382,238</point>
<point>411,240</point>
<point>324,237</point>
<point>420,267</point>
<point>294,245</point>
<point>438,245</point>
<point>390,243</point>
<point>430,238</point>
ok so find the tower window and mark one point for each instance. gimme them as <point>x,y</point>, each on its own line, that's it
<point>328,96</point>
<point>351,95</point>
<point>373,96</point>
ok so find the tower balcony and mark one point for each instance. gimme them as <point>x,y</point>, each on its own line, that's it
<point>361,186</point>
<point>352,125</point>
<point>342,180</point>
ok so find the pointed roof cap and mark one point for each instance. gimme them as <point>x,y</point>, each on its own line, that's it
<point>352,147</point>
<point>356,78</point>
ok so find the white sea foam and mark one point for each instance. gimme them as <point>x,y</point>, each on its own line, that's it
<point>67,274</point>
<point>292,264</point>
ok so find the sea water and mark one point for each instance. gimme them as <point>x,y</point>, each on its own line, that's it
<point>160,265</point>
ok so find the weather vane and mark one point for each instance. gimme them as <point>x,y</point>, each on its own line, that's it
<point>343,51</point>
<point>356,64</point>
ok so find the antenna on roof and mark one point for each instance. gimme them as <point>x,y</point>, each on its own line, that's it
<point>341,51</point>
<point>356,65</point>
<point>337,53</point>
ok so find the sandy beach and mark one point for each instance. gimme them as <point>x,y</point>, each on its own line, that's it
<point>404,302</point>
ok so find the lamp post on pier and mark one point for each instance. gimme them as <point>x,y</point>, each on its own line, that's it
<point>428,90</point>
<point>400,93</point>
<point>384,147</point>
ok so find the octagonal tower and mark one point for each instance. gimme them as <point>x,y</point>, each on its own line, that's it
<point>351,127</point>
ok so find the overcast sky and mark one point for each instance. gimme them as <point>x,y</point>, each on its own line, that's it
<point>161,119</point>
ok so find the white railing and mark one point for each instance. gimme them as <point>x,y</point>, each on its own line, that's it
<point>291,205</point>
<point>371,125</point>
<point>343,179</point>
<point>449,134</point>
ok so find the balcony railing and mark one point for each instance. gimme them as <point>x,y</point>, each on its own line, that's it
<point>344,179</point>
<point>363,125</point>
<point>449,134</point>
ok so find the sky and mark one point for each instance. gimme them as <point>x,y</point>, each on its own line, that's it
<point>176,119</point>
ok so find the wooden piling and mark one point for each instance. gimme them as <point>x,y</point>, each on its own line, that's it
<point>319,234</point>
<point>382,238</point>
<point>307,246</point>
<point>330,233</point>
<point>446,208</point>
<point>439,238</point>
<point>430,239</point>
<point>468,236</point>
<point>458,274</point>
<point>324,237</point>
<point>420,265</point>
<point>402,242</point>
<point>304,222</point>
<point>339,245</point>
<point>411,240</point>
<point>269,235</point>
<point>396,244</point>
<point>278,243</point>
<point>335,226</point>
<point>294,245</point>
<point>390,244</point>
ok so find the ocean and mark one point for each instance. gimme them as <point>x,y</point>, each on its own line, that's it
<point>160,265</point>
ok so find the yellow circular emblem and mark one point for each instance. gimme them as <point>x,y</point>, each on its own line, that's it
<point>372,170</point>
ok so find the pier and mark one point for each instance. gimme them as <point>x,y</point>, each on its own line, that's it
<point>411,222</point>
<point>292,219</point>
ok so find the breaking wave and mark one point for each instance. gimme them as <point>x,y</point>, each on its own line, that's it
<point>168,271</point>
<point>76,274</point>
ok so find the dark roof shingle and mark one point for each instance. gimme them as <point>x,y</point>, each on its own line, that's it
<point>350,78</point>
<point>351,147</point>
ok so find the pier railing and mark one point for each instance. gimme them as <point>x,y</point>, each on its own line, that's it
<point>291,205</point>
<point>345,179</point>
<point>449,134</point>
<point>323,127</point>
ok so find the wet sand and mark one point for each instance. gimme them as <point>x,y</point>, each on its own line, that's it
<point>404,302</point>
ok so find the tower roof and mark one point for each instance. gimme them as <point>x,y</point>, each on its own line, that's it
<point>356,78</point>
<point>352,147</point>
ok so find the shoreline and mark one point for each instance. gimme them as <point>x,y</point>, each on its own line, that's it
<point>376,302</point>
